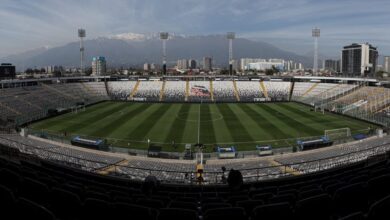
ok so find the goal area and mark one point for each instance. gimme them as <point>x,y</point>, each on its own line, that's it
<point>338,133</point>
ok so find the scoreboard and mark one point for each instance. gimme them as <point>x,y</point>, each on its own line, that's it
<point>7,71</point>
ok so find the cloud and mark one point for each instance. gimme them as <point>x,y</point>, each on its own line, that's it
<point>27,24</point>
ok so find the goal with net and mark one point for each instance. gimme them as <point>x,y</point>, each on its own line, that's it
<point>338,133</point>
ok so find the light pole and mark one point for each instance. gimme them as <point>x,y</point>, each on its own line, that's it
<point>315,34</point>
<point>164,38</point>
<point>231,36</point>
<point>81,34</point>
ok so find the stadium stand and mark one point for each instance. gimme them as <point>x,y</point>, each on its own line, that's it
<point>150,90</point>
<point>39,189</point>
<point>42,179</point>
<point>175,91</point>
<point>120,90</point>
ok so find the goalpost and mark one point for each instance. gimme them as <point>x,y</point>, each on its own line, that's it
<point>338,133</point>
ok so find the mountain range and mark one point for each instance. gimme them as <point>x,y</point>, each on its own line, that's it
<point>130,49</point>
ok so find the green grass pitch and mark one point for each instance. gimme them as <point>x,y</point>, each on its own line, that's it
<point>127,124</point>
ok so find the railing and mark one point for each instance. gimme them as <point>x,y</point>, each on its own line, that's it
<point>189,177</point>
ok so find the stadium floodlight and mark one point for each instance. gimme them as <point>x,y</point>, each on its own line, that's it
<point>316,32</point>
<point>81,34</point>
<point>164,37</point>
<point>231,36</point>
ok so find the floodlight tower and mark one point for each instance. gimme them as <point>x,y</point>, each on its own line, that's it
<point>164,38</point>
<point>230,36</point>
<point>82,34</point>
<point>315,34</point>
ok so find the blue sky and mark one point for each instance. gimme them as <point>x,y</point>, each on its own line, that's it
<point>29,24</point>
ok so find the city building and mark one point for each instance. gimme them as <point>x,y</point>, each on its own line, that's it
<point>192,64</point>
<point>386,64</point>
<point>7,71</point>
<point>99,66</point>
<point>245,61</point>
<point>266,64</point>
<point>332,65</point>
<point>207,63</point>
<point>147,67</point>
<point>182,64</point>
<point>359,60</point>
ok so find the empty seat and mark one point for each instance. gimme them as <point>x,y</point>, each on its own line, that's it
<point>30,210</point>
<point>151,203</point>
<point>96,209</point>
<point>65,204</point>
<point>378,187</point>
<point>177,214</point>
<point>351,198</point>
<point>380,209</point>
<point>207,206</point>
<point>316,207</point>
<point>225,213</point>
<point>272,211</point>
<point>184,205</point>
<point>249,205</point>
<point>130,211</point>
<point>354,216</point>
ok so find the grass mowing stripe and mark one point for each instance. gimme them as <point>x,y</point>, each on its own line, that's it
<point>318,118</point>
<point>307,130</point>
<point>234,125</point>
<point>53,122</point>
<point>120,122</point>
<point>176,131</point>
<point>140,132</point>
<point>207,134</point>
<point>263,122</point>
<point>85,122</point>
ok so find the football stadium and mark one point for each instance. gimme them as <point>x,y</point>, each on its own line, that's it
<point>211,147</point>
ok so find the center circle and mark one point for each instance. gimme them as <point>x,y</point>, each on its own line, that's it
<point>187,116</point>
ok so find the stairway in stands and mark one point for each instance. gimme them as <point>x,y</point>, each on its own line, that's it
<point>264,89</point>
<point>236,91</point>
<point>162,91</point>
<point>134,89</point>
<point>187,90</point>
<point>211,91</point>
<point>9,109</point>
<point>47,87</point>
<point>310,89</point>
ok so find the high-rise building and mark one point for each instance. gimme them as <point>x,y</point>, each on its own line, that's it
<point>359,60</point>
<point>99,66</point>
<point>245,61</point>
<point>386,64</point>
<point>332,65</point>
<point>207,63</point>
<point>147,67</point>
<point>266,64</point>
<point>182,64</point>
<point>192,64</point>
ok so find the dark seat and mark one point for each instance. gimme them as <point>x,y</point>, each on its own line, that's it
<point>30,210</point>
<point>207,206</point>
<point>272,211</point>
<point>316,207</point>
<point>35,191</point>
<point>184,205</point>
<point>151,203</point>
<point>65,204</point>
<point>378,187</point>
<point>225,213</point>
<point>7,201</point>
<point>351,198</point>
<point>130,211</point>
<point>354,216</point>
<point>380,209</point>
<point>249,205</point>
<point>177,214</point>
<point>96,209</point>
